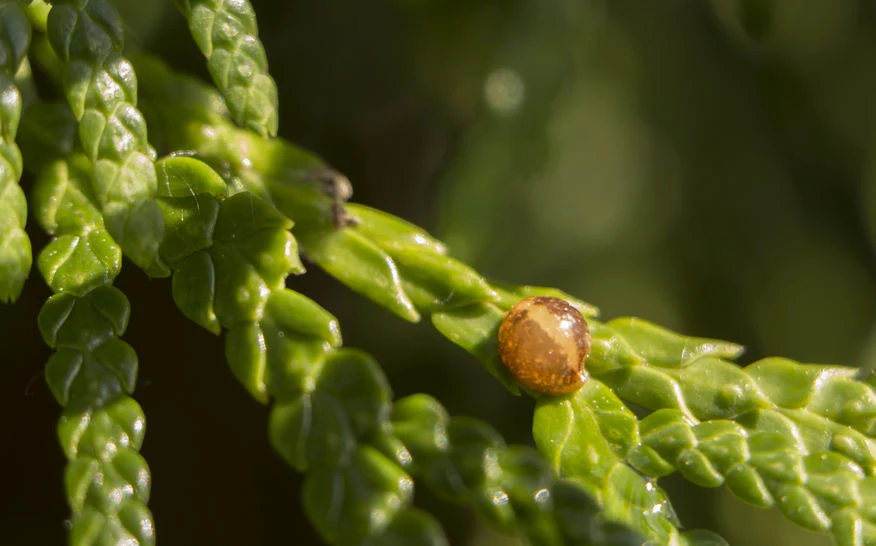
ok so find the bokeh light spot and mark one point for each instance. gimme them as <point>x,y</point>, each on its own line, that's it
<point>504,91</point>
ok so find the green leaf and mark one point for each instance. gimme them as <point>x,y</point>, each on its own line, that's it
<point>827,391</point>
<point>350,402</point>
<point>434,281</point>
<point>294,361</point>
<point>292,312</point>
<point>92,30</point>
<point>581,521</point>
<point>64,200</point>
<point>662,347</point>
<point>360,264</point>
<point>189,225</point>
<point>15,39</point>
<point>78,264</point>
<point>227,35</point>
<point>787,383</point>
<point>312,431</point>
<point>80,323</point>
<point>182,176</point>
<point>577,435</point>
<point>392,233</point>
<point>139,230</point>
<point>463,460</point>
<point>16,260</point>
<point>194,290</point>
<point>527,481</point>
<point>252,255</point>
<point>136,519</point>
<point>454,457</point>
<point>358,384</point>
<point>509,295</point>
<point>475,328</point>
<point>716,389</point>
<point>101,87</point>
<point>411,526</point>
<point>358,499</point>
<point>92,432</point>
<point>48,133</point>
<point>245,352</point>
<point>567,430</point>
<point>90,377</point>
<point>420,422</point>
<point>15,250</point>
<point>244,215</point>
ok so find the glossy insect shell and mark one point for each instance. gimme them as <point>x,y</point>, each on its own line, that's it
<point>544,342</point>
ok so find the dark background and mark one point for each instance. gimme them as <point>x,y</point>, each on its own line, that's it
<point>708,165</point>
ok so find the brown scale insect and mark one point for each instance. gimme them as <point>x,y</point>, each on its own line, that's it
<point>544,342</point>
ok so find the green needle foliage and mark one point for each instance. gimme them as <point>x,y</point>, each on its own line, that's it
<point>92,370</point>
<point>227,34</point>
<point>218,213</point>
<point>15,252</point>
<point>101,87</point>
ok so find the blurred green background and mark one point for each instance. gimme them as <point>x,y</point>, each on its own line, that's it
<point>707,165</point>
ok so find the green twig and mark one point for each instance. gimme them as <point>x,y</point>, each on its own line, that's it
<point>227,34</point>
<point>101,87</point>
<point>92,370</point>
<point>15,250</point>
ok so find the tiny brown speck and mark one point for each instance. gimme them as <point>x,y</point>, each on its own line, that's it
<point>544,342</point>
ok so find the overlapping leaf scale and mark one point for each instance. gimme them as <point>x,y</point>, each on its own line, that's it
<point>101,87</point>
<point>92,371</point>
<point>586,437</point>
<point>278,361</point>
<point>398,266</point>
<point>296,181</point>
<point>641,362</point>
<point>764,459</point>
<point>465,461</point>
<point>15,250</point>
<point>775,432</point>
<point>226,32</point>
<point>230,257</point>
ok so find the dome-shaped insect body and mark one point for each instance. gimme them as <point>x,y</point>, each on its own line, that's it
<point>544,342</point>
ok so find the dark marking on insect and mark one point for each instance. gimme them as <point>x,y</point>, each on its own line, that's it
<point>338,187</point>
<point>543,342</point>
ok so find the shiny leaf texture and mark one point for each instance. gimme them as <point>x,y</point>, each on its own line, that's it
<point>15,251</point>
<point>92,371</point>
<point>101,88</point>
<point>227,34</point>
<point>276,358</point>
<point>331,413</point>
<point>410,273</point>
<point>106,480</point>
<point>82,256</point>
<point>465,461</point>
<point>229,269</point>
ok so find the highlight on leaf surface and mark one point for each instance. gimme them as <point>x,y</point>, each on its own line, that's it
<point>101,88</point>
<point>226,32</point>
<point>15,249</point>
<point>92,371</point>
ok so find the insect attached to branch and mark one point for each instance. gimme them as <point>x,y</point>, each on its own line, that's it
<point>543,342</point>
